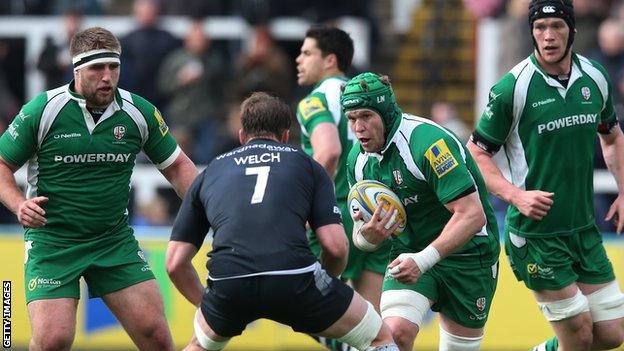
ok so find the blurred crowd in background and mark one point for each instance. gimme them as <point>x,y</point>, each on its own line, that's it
<point>198,82</point>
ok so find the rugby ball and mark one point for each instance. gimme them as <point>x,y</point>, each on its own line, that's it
<point>365,196</point>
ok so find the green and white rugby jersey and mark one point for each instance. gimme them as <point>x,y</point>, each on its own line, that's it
<point>548,133</point>
<point>83,167</point>
<point>427,167</point>
<point>323,105</point>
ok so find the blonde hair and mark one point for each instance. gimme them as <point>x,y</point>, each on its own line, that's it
<point>94,38</point>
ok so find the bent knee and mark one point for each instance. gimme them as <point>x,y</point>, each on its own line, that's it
<point>607,337</point>
<point>609,342</point>
<point>403,337</point>
<point>582,335</point>
<point>159,337</point>
<point>162,339</point>
<point>583,330</point>
<point>403,332</point>
<point>52,342</point>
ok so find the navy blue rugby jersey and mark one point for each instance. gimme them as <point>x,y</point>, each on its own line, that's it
<point>257,199</point>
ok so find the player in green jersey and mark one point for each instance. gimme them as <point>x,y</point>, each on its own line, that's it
<point>80,142</point>
<point>325,57</point>
<point>546,113</point>
<point>446,259</point>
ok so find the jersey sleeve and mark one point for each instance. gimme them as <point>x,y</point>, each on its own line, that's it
<point>312,111</point>
<point>442,159</point>
<point>191,224</point>
<point>160,146</point>
<point>608,117</point>
<point>497,118</point>
<point>19,141</point>
<point>324,208</point>
<point>351,159</point>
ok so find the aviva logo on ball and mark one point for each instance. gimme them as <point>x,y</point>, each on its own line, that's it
<point>366,195</point>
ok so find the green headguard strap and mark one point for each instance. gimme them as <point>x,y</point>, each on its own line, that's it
<point>372,91</point>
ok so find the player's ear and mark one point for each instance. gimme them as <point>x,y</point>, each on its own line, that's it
<point>331,60</point>
<point>241,137</point>
<point>285,136</point>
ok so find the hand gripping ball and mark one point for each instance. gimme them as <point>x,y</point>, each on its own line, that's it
<point>366,195</point>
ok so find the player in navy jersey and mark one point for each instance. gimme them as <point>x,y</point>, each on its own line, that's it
<point>257,199</point>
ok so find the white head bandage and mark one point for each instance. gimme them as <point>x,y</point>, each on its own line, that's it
<point>95,56</point>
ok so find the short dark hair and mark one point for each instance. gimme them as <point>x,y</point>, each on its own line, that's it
<point>264,115</point>
<point>92,39</point>
<point>332,40</point>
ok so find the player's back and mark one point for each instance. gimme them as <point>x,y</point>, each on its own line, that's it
<point>258,199</point>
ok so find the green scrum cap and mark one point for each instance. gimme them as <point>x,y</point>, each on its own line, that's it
<point>368,90</point>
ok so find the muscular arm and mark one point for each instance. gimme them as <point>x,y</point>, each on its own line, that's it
<point>613,151</point>
<point>467,220</point>
<point>533,203</point>
<point>326,146</point>
<point>29,212</point>
<point>180,174</point>
<point>494,179</point>
<point>10,194</point>
<point>335,248</point>
<point>181,271</point>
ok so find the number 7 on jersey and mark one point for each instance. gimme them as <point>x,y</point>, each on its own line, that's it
<point>262,178</point>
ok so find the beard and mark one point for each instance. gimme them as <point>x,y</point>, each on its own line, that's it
<point>97,100</point>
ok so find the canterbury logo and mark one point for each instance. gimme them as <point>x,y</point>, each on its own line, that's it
<point>548,9</point>
<point>351,102</point>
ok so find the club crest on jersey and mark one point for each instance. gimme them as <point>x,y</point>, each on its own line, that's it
<point>440,158</point>
<point>308,107</point>
<point>119,132</point>
<point>398,178</point>
<point>481,303</point>
<point>586,93</point>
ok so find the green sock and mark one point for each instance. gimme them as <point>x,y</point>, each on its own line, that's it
<point>548,345</point>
